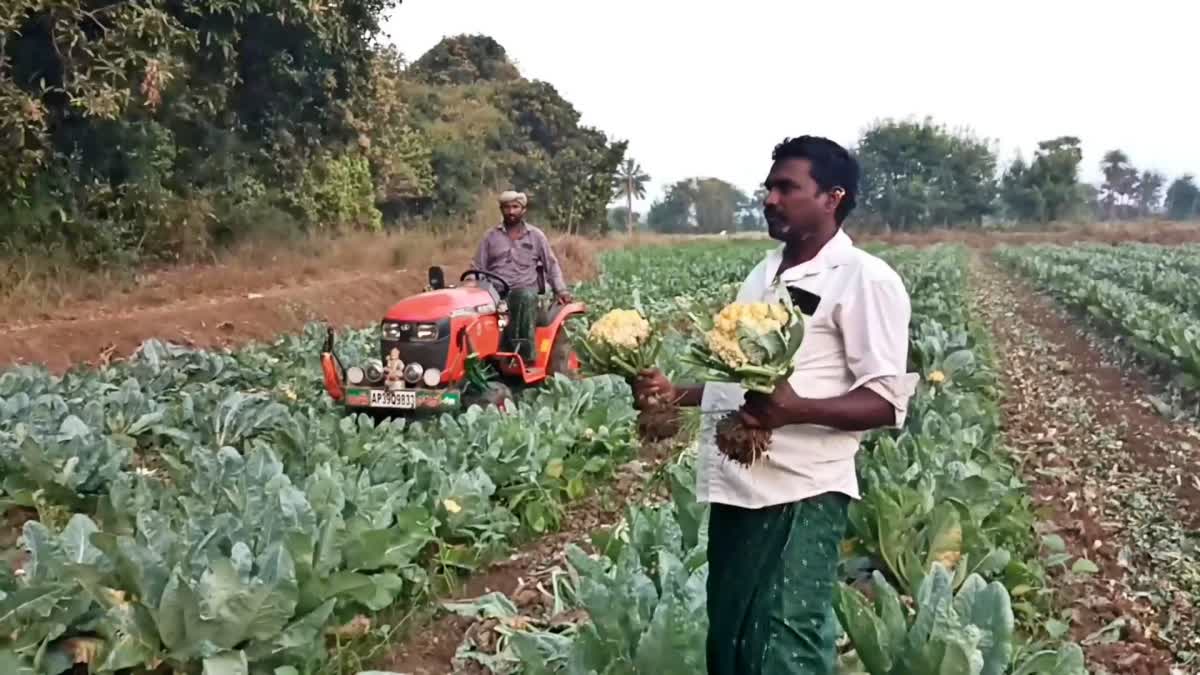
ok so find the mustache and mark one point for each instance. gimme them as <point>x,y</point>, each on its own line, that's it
<point>770,212</point>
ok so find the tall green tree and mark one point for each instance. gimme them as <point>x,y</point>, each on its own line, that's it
<point>630,182</point>
<point>489,131</point>
<point>1021,197</point>
<point>142,127</point>
<point>700,205</point>
<point>1150,191</point>
<point>917,174</point>
<point>750,216</point>
<point>674,212</point>
<point>1183,198</point>
<point>1048,188</point>
<point>1119,191</point>
<point>465,59</point>
<point>618,218</point>
<point>158,128</point>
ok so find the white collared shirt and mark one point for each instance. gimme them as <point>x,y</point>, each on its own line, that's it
<point>858,337</point>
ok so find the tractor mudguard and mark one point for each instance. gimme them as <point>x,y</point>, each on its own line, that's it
<point>569,310</point>
<point>331,369</point>
<point>556,326</point>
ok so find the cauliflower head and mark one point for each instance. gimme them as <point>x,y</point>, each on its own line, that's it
<point>758,318</point>
<point>622,328</point>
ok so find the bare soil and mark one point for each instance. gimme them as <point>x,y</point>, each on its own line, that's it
<point>1109,476</point>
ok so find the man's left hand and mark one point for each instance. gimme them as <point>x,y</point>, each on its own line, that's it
<point>564,298</point>
<point>771,411</point>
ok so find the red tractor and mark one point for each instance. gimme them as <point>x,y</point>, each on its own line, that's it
<point>432,343</point>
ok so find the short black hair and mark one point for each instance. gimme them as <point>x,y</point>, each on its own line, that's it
<point>832,167</point>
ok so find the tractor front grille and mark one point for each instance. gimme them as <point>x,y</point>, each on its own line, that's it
<point>428,354</point>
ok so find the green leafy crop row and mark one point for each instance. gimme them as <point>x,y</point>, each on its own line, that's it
<point>214,512</point>
<point>1128,294</point>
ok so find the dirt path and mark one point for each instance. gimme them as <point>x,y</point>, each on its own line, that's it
<point>114,328</point>
<point>206,322</point>
<point>1116,481</point>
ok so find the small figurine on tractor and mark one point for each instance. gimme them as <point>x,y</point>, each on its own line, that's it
<point>430,342</point>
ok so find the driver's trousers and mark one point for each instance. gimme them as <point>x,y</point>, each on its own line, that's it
<point>522,321</point>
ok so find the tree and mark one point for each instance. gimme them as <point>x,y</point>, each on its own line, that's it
<point>916,174</point>
<point>464,130</point>
<point>146,129</point>
<point>1150,192</point>
<point>618,218</point>
<point>702,205</point>
<point>465,59</point>
<point>1022,199</point>
<point>673,212</point>
<point>1183,198</point>
<point>492,135</point>
<point>568,164</point>
<point>1118,193</point>
<point>1055,171</point>
<point>400,157</point>
<point>750,214</point>
<point>1047,189</point>
<point>630,182</point>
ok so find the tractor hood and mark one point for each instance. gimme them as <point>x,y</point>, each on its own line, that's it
<point>439,305</point>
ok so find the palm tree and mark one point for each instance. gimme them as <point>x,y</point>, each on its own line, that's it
<point>629,182</point>
<point>1120,180</point>
<point>1149,189</point>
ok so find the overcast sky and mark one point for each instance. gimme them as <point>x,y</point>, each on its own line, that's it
<point>707,89</point>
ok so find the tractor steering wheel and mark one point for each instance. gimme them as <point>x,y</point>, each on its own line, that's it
<point>480,274</point>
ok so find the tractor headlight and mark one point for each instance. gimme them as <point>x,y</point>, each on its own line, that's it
<point>426,332</point>
<point>355,375</point>
<point>433,377</point>
<point>413,373</point>
<point>374,372</point>
<point>391,331</point>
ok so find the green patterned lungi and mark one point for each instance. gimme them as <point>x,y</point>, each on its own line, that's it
<point>770,587</point>
<point>522,321</point>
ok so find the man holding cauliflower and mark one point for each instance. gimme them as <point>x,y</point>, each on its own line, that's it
<point>777,519</point>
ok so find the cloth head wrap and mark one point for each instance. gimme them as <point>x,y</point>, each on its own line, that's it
<point>510,196</point>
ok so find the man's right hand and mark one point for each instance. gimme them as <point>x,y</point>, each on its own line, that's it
<point>652,384</point>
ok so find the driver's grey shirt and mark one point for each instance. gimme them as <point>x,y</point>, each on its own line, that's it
<point>515,260</point>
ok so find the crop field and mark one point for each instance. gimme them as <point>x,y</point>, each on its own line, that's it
<point>1150,295</point>
<point>213,513</point>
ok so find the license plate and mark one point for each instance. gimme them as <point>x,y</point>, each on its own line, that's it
<point>381,398</point>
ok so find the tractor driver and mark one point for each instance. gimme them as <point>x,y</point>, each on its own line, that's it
<point>513,251</point>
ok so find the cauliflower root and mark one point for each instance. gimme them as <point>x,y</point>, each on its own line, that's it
<point>740,443</point>
<point>658,419</point>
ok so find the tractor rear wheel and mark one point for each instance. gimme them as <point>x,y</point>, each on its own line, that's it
<point>562,357</point>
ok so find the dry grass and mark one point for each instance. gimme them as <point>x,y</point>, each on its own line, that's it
<point>39,289</point>
<point>34,290</point>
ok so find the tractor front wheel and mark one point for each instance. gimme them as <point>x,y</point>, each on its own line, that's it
<point>497,394</point>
